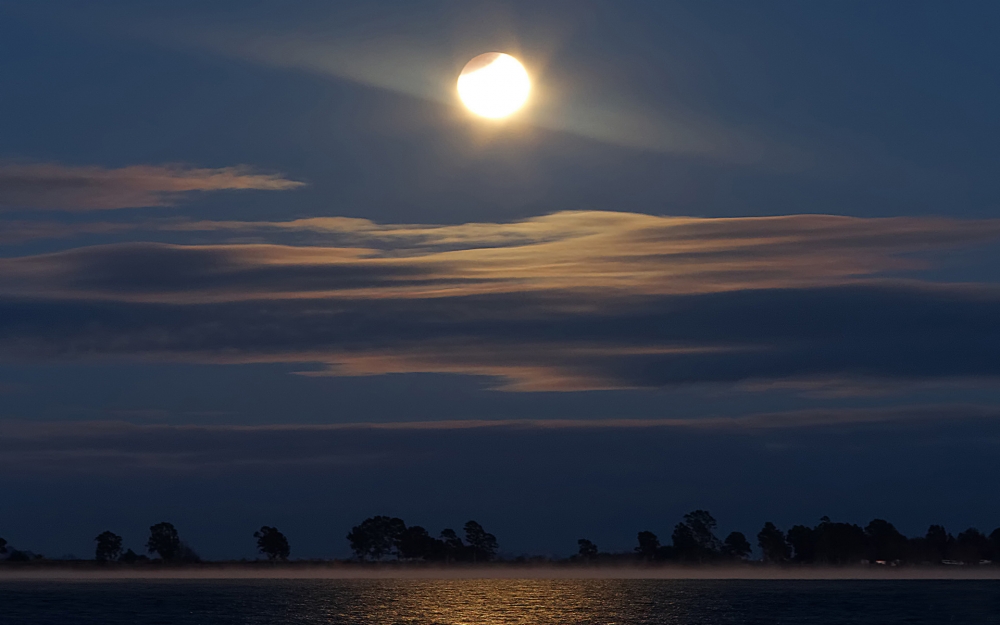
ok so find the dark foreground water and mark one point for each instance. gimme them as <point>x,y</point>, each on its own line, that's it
<point>496,602</point>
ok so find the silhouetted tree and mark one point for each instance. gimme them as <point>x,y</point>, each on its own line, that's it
<point>802,540</point>
<point>416,544</point>
<point>187,554</point>
<point>736,546</point>
<point>649,545</point>
<point>995,544</point>
<point>684,543</point>
<point>131,556</point>
<point>19,556</point>
<point>839,543</point>
<point>163,540</point>
<point>3,546</point>
<point>772,543</point>
<point>703,526</point>
<point>483,544</point>
<point>885,542</point>
<point>272,543</point>
<point>588,550</point>
<point>453,545</point>
<point>938,543</point>
<point>109,547</point>
<point>971,546</point>
<point>376,537</point>
<point>694,539</point>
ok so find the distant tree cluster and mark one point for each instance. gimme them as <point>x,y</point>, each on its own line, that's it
<point>381,537</point>
<point>15,555</point>
<point>879,541</point>
<point>830,543</point>
<point>693,540</point>
<point>165,542</point>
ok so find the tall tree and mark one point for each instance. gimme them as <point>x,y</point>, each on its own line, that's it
<point>3,546</point>
<point>453,545</point>
<point>109,547</point>
<point>649,545</point>
<point>694,539</point>
<point>736,546</point>
<point>703,526</point>
<point>772,543</point>
<point>483,544</point>
<point>885,542</point>
<point>972,546</point>
<point>163,540</point>
<point>802,540</point>
<point>684,543</point>
<point>839,543</point>
<point>272,543</point>
<point>938,543</point>
<point>415,543</point>
<point>587,549</point>
<point>376,537</point>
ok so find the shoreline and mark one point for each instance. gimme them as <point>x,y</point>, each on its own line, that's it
<point>84,571</point>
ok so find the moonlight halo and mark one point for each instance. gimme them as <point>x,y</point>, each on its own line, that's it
<point>494,85</point>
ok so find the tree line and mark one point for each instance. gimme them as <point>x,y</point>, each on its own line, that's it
<point>828,542</point>
<point>165,543</point>
<point>380,537</point>
<point>693,540</point>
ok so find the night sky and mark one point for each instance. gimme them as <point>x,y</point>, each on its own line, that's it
<point>258,265</point>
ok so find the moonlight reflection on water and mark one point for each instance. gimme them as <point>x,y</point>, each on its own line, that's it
<point>501,602</point>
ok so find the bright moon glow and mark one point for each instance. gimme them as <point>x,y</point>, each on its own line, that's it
<point>494,85</point>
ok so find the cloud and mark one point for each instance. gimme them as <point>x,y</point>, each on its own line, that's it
<point>186,447</point>
<point>624,254</point>
<point>64,187</point>
<point>532,344</point>
<point>569,301</point>
<point>24,231</point>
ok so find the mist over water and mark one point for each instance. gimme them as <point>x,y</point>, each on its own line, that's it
<point>501,601</point>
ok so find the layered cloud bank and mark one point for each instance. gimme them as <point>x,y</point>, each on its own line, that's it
<point>96,446</point>
<point>64,187</point>
<point>569,301</point>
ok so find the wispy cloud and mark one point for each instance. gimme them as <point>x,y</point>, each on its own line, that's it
<point>623,254</point>
<point>25,231</point>
<point>570,301</point>
<point>101,444</point>
<point>86,188</point>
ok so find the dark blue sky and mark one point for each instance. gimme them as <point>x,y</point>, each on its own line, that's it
<point>735,256</point>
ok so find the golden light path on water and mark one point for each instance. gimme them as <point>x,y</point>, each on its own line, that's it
<point>488,602</point>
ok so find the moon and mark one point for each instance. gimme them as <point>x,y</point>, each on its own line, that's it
<point>494,85</point>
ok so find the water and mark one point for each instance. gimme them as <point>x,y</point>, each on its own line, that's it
<point>500,602</point>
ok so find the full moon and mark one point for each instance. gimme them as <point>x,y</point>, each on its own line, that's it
<point>494,85</point>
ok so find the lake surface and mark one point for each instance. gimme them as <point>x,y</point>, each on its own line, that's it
<point>499,601</point>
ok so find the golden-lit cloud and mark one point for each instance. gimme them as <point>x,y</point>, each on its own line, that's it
<point>85,188</point>
<point>562,302</point>
<point>616,254</point>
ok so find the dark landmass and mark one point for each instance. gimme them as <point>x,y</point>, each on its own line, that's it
<point>351,569</point>
<point>386,547</point>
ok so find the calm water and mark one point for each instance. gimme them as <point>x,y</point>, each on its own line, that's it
<point>541,602</point>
